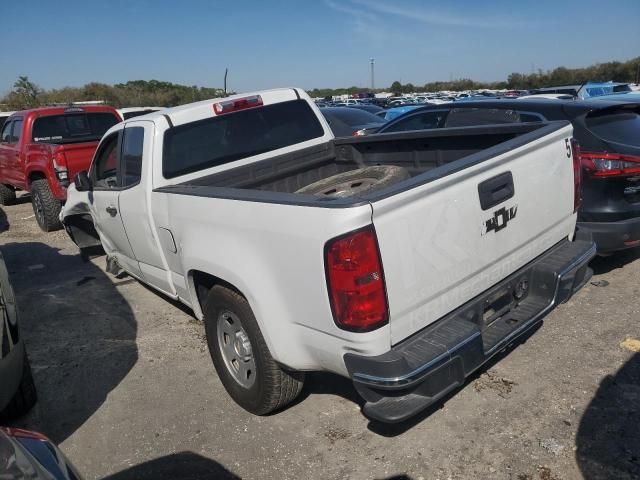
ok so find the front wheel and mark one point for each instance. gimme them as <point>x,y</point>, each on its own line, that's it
<point>240,355</point>
<point>45,206</point>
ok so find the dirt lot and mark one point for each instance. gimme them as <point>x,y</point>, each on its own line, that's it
<point>128,390</point>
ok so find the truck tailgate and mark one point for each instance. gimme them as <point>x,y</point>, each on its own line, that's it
<point>441,245</point>
<point>77,155</point>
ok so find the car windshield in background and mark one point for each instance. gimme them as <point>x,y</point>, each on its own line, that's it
<point>72,128</point>
<point>225,138</point>
<point>619,127</point>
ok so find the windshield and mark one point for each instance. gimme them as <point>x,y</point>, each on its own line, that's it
<point>72,128</point>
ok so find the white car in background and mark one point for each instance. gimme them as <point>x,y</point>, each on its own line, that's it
<point>553,96</point>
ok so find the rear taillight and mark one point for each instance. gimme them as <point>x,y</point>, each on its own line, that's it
<point>60,167</point>
<point>237,104</point>
<point>607,165</point>
<point>356,281</point>
<point>577,175</point>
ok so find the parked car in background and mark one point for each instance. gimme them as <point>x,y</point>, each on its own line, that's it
<point>42,149</point>
<point>368,107</point>
<point>3,117</point>
<point>17,390</point>
<point>418,256</point>
<point>550,96</point>
<point>130,112</point>
<point>395,112</point>
<point>586,90</point>
<point>608,133</point>
<point>31,455</point>
<point>350,121</point>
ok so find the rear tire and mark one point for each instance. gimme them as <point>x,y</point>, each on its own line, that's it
<point>26,396</point>
<point>268,387</point>
<point>7,195</point>
<point>45,206</point>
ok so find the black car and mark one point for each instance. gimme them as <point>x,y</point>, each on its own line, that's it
<point>17,391</point>
<point>608,134</point>
<point>348,122</point>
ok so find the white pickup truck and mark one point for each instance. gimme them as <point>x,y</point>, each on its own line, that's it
<point>403,261</point>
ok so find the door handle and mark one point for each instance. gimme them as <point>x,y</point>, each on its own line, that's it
<point>111,210</point>
<point>496,190</point>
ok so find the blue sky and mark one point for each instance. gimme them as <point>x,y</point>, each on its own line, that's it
<point>319,43</point>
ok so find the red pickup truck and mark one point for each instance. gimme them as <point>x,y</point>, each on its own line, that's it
<point>41,150</point>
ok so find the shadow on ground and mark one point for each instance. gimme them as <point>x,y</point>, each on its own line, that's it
<point>608,438</point>
<point>601,265</point>
<point>80,334</point>
<point>178,466</point>
<point>4,222</point>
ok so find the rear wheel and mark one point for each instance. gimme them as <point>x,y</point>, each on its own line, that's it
<point>240,355</point>
<point>26,396</point>
<point>7,195</point>
<point>45,206</point>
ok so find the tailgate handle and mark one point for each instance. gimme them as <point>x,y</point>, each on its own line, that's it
<point>496,190</point>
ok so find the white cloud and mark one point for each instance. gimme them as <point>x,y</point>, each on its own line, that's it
<point>434,15</point>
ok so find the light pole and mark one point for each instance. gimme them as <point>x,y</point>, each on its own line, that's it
<point>372,76</point>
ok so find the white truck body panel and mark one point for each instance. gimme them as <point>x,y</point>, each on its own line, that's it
<point>433,253</point>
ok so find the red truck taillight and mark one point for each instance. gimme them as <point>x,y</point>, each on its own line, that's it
<point>60,167</point>
<point>355,281</point>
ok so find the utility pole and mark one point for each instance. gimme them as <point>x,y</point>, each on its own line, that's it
<point>373,85</point>
<point>226,70</point>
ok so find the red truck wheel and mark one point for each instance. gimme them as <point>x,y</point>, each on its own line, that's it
<point>45,206</point>
<point>7,195</point>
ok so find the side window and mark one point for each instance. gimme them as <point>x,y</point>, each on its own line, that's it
<point>419,121</point>
<point>17,131</point>
<point>106,164</point>
<point>6,132</point>
<point>132,145</point>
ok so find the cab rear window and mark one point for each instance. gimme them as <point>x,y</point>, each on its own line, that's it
<point>72,128</point>
<point>225,138</point>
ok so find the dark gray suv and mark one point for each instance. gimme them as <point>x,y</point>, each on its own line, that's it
<point>17,390</point>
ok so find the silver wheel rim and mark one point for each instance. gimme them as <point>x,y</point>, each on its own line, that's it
<point>235,348</point>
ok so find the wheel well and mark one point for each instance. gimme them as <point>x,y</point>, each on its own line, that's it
<point>203,282</point>
<point>33,176</point>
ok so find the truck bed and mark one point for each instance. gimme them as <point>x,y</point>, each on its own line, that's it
<point>427,155</point>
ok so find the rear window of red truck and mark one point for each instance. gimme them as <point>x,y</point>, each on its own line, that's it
<point>72,128</point>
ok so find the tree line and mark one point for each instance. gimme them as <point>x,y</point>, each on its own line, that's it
<point>136,93</point>
<point>628,71</point>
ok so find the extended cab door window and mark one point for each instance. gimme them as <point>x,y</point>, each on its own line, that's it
<point>106,167</point>
<point>16,132</point>
<point>5,137</point>
<point>132,146</point>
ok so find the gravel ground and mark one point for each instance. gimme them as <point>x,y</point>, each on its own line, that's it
<point>127,388</point>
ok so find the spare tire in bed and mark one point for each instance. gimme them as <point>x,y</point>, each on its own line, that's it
<point>356,182</point>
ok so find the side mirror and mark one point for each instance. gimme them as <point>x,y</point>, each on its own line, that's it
<point>82,182</point>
